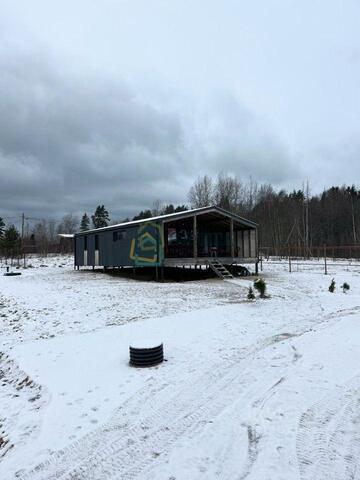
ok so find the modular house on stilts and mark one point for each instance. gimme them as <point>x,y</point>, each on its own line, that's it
<point>202,236</point>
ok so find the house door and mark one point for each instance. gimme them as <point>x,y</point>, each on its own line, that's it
<point>213,244</point>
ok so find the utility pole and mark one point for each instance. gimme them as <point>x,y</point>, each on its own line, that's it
<point>22,227</point>
<point>22,235</point>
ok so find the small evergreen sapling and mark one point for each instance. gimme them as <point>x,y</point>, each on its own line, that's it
<point>260,286</point>
<point>332,286</point>
<point>251,294</point>
<point>345,286</point>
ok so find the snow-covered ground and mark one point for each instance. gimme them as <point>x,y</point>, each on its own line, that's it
<point>268,389</point>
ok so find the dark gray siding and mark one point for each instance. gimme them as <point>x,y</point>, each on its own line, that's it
<point>91,250</point>
<point>112,252</point>
<point>79,248</point>
<point>116,253</point>
<point>120,252</point>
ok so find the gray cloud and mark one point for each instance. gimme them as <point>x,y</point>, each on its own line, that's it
<point>69,142</point>
<point>65,143</point>
<point>119,103</point>
<point>232,139</point>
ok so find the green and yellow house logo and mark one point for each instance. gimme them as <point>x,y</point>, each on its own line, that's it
<point>147,249</point>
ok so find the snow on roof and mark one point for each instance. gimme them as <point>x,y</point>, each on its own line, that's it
<point>66,235</point>
<point>183,213</point>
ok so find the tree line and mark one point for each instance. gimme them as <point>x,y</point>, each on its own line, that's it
<point>294,218</point>
<point>286,218</point>
<point>43,237</point>
<point>101,216</point>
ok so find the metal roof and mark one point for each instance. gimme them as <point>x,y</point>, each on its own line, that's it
<point>176,216</point>
<point>66,235</point>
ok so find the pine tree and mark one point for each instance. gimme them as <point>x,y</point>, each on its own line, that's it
<point>85,223</point>
<point>143,214</point>
<point>11,241</point>
<point>332,286</point>
<point>181,208</point>
<point>2,225</point>
<point>101,217</point>
<point>251,294</point>
<point>168,209</point>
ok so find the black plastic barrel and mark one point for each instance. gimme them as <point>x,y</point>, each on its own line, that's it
<point>146,354</point>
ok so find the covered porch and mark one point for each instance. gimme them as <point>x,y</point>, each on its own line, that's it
<point>197,238</point>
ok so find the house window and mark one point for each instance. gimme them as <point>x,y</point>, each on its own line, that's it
<point>118,236</point>
<point>172,240</point>
<point>85,244</point>
<point>96,242</point>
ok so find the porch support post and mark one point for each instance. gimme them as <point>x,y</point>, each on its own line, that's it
<point>232,249</point>
<point>195,250</point>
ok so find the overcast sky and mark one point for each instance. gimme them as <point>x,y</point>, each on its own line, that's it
<point>125,102</point>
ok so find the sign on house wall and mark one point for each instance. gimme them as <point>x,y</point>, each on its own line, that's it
<point>147,248</point>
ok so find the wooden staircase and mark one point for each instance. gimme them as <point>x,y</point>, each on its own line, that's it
<point>219,269</point>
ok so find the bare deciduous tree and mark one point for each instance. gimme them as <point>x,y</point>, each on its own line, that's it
<point>229,192</point>
<point>201,194</point>
<point>157,208</point>
<point>69,224</point>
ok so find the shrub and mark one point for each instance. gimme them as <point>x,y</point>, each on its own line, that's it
<point>345,286</point>
<point>260,286</point>
<point>332,286</point>
<point>251,294</point>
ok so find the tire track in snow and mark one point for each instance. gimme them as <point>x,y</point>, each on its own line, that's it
<point>118,450</point>
<point>120,446</point>
<point>328,438</point>
<point>254,432</point>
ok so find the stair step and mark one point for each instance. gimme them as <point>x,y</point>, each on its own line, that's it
<point>219,269</point>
